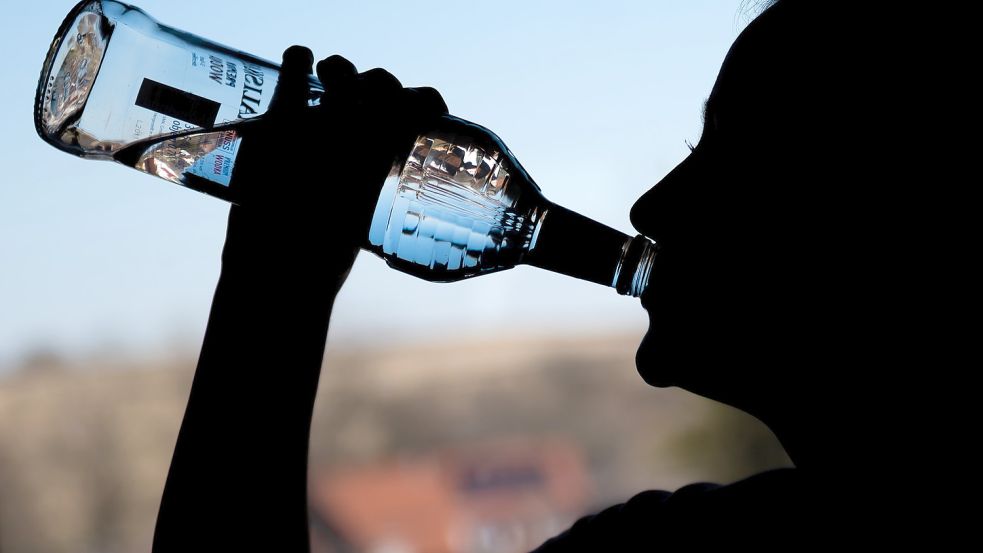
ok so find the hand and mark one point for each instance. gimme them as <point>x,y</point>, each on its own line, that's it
<point>309,177</point>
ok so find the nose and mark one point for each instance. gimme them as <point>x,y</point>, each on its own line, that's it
<point>642,210</point>
<point>662,208</point>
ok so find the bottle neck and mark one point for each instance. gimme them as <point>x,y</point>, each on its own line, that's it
<point>569,243</point>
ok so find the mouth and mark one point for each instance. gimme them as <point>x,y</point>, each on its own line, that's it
<point>648,296</point>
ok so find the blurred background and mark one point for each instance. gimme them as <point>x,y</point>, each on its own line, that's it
<point>498,410</point>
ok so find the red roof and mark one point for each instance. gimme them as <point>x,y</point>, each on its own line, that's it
<point>443,502</point>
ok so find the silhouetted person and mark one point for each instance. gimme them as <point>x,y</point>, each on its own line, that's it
<point>776,290</point>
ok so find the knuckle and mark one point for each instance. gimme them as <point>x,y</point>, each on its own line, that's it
<point>334,66</point>
<point>381,77</point>
<point>297,58</point>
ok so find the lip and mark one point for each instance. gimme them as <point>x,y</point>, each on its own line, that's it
<point>647,297</point>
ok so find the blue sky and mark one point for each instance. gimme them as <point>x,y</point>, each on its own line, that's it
<point>596,100</point>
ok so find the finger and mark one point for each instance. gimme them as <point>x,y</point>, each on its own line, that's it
<point>426,101</point>
<point>292,88</point>
<point>378,86</point>
<point>297,59</point>
<point>337,74</point>
<point>421,107</point>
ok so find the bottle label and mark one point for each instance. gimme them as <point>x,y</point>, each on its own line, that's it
<point>178,88</point>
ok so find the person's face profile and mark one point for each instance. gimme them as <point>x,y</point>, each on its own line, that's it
<point>721,221</point>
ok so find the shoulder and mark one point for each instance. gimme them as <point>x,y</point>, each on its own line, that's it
<point>760,509</point>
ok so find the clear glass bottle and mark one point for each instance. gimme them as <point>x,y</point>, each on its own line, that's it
<point>118,85</point>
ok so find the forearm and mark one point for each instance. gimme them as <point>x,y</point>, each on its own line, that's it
<point>240,463</point>
<point>238,477</point>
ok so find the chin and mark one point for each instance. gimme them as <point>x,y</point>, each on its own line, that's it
<point>652,371</point>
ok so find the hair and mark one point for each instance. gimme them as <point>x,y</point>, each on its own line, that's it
<point>751,9</point>
<point>758,6</point>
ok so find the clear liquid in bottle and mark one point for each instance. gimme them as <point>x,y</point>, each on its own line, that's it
<point>456,207</point>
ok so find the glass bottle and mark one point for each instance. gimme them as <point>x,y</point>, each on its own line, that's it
<point>118,85</point>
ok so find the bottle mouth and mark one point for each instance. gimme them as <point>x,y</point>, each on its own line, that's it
<point>640,280</point>
<point>631,276</point>
<point>69,71</point>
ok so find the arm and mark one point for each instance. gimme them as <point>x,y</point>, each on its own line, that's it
<point>763,511</point>
<point>240,461</point>
<point>238,478</point>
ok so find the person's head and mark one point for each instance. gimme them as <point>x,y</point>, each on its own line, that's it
<point>745,294</point>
